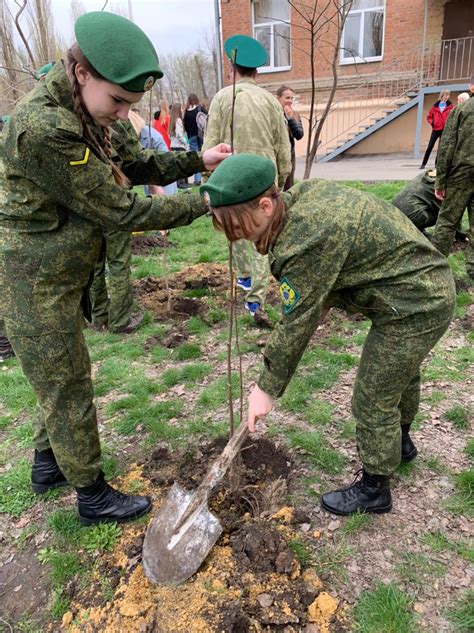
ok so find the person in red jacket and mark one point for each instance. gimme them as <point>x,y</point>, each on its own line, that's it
<point>437,117</point>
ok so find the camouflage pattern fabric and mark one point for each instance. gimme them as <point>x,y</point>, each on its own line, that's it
<point>346,248</point>
<point>455,160</point>
<point>249,263</point>
<point>113,308</point>
<point>455,175</point>
<point>456,199</point>
<point>260,127</point>
<point>418,201</point>
<point>56,199</point>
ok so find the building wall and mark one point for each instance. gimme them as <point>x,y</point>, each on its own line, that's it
<point>404,28</point>
<point>404,37</point>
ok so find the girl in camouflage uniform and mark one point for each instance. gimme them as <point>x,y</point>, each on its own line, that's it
<point>63,181</point>
<point>332,246</point>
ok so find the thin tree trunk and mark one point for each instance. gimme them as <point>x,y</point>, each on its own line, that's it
<point>201,79</point>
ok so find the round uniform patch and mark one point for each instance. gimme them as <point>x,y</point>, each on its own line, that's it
<point>149,84</point>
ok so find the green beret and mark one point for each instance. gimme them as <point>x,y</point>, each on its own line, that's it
<point>43,71</point>
<point>118,50</point>
<point>245,51</point>
<point>239,178</point>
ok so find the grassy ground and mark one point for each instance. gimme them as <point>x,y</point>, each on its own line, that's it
<point>404,572</point>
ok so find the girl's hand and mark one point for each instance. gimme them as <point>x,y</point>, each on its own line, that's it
<point>260,403</point>
<point>288,111</point>
<point>215,155</point>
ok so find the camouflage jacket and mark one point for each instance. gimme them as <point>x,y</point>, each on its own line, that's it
<point>56,198</point>
<point>419,192</point>
<point>455,162</point>
<point>346,248</point>
<point>260,126</point>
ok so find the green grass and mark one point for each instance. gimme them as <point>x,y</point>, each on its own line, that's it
<point>384,609</point>
<point>417,569</point>
<point>462,502</point>
<point>301,551</point>
<point>187,351</point>
<point>16,395</point>
<point>16,495</point>
<point>189,374</point>
<point>101,537</point>
<point>356,522</point>
<point>439,542</point>
<point>215,395</point>
<point>316,450</point>
<point>462,615</point>
<point>469,449</point>
<point>458,416</point>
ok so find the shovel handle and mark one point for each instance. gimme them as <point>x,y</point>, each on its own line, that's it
<point>216,472</point>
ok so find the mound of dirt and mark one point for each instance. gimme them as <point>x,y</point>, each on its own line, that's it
<point>164,298</point>
<point>251,581</point>
<point>143,244</point>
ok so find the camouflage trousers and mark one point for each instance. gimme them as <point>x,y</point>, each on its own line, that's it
<point>421,215</point>
<point>249,263</point>
<point>58,368</point>
<point>458,197</point>
<point>387,388</point>
<point>115,307</point>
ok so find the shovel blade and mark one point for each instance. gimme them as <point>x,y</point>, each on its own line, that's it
<point>170,558</point>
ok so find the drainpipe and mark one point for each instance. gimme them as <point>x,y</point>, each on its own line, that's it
<point>421,94</point>
<point>217,18</point>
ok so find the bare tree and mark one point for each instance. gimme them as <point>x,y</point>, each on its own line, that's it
<point>321,25</point>
<point>318,30</point>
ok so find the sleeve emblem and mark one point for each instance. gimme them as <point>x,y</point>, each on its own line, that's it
<point>289,296</point>
<point>83,161</point>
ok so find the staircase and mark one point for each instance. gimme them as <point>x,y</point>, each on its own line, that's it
<point>381,98</point>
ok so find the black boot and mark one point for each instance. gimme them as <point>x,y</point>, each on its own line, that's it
<point>45,472</point>
<point>409,450</point>
<point>100,503</point>
<point>367,493</point>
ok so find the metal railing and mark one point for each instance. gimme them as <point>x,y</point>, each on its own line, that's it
<point>376,95</point>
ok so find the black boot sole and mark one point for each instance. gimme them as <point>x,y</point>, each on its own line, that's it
<point>40,489</point>
<point>381,510</point>
<point>408,457</point>
<point>88,521</point>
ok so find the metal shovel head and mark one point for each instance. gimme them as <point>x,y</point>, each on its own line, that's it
<point>172,556</point>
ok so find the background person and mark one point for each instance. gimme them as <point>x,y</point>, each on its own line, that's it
<point>190,125</point>
<point>285,96</point>
<point>331,245</point>
<point>455,180</point>
<point>419,203</point>
<point>259,127</point>
<point>437,117</point>
<point>161,121</point>
<point>178,136</point>
<point>74,185</point>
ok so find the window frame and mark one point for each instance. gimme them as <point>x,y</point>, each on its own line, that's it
<point>344,61</point>
<point>271,68</point>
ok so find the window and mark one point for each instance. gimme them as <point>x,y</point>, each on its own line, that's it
<point>271,27</point>
<point>362,40</point>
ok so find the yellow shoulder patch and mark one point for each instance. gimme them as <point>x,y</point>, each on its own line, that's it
<point>83,161</point>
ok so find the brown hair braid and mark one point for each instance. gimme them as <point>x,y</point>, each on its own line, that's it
<point>101,146</point>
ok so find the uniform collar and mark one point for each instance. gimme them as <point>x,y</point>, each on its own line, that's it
<point>247,80</point>
<point>58,85</point>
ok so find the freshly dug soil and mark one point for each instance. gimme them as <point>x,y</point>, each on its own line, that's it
<point>143,244</point>
<point>251,580</point>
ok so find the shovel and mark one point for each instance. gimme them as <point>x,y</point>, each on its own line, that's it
<point>181,535</point>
